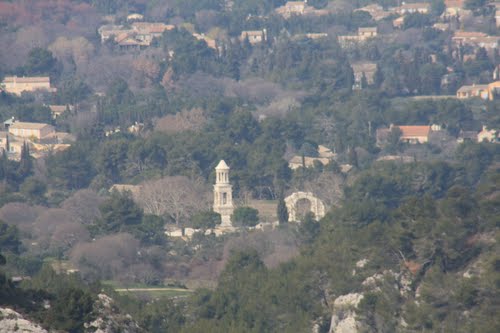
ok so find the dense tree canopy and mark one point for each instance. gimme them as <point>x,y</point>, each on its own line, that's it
<point>158,118</point>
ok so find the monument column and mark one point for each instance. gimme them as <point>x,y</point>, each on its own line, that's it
<point>223,194</point>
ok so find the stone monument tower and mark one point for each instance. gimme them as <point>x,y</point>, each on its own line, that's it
<point>223,194</point>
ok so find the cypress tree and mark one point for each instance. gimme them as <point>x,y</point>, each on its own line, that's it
<point>25,164</point>
<point>282,211</point>
<point>3,165</point>
<point>353,157</point>
<point>364,81</point>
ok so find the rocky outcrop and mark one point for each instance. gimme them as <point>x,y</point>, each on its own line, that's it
<point>344,319</point>
<point>401,282</point>
<point>11,321</point>
<point>344,314</point>
<point>109,319</point>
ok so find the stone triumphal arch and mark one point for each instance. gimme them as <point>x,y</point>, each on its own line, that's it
<point>317,206</point>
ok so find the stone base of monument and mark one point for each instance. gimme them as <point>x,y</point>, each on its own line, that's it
<point>220,230</point>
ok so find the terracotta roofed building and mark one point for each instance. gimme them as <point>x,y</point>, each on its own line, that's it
<point>409,134</point>
<point>415,134</point>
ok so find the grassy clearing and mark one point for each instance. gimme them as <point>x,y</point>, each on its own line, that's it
<point>156,292</point>
<point>266,208</point>
<point>140,289</point>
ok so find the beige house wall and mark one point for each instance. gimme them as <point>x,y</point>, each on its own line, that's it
<point>15,87</point>
<point>254,37</point>
<point>32,132</point>
<point>415,139</point>
<point>16,147</point>
<point>3,142</point>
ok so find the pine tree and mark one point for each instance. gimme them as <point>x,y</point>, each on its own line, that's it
<point>282,211</point>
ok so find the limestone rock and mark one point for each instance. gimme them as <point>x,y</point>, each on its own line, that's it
<point>344,315</point>
<point>345,325</point>
<point>11,321</point>
<point>350,301</point>
<point>109,320</point>
<point>401,281</point>
<point>344,318</point>
<point>361,263</point>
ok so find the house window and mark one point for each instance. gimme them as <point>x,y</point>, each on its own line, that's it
<point>224,198</point>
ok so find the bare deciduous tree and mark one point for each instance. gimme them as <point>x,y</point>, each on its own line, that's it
<point>68,234</point>
<point>22,42</point>
<point>273,246</point>
<point>255,90</point>
<point>192,120</point>
<point>200,84</point>
<point>178,197</point>
<point>105,69</point>
<point>20,214</point>
<point>328,186</point>
<point>159,10</point>
<point>56,220</point>
<point>107,257</point>
<point>78,50</point>
<point>279,107</point>
<point>167,81</point>
<point>146,71</point>
<point>82,122</point>
<point>84,206</point>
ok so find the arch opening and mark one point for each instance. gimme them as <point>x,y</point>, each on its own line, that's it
<point>302,207</point>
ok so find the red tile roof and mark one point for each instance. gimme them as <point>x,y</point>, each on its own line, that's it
<point>414,131</point>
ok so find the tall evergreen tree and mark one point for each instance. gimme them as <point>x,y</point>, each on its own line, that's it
<point>25,163</point>
<point>353,157</point>
<point>364,81</point>
<point>282,211</point>
<point>120,212</point>
<point>3,165</point>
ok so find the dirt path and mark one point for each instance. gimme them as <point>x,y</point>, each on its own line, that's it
<point>152,289</point>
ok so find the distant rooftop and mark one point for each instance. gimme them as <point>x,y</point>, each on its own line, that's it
<point>469,34</point>
<point>26,125</point>
<point>473,87</point>
<point>411,131</point>
<point>367,29</point>
<point>26,79</point>
<point>222,166</point>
